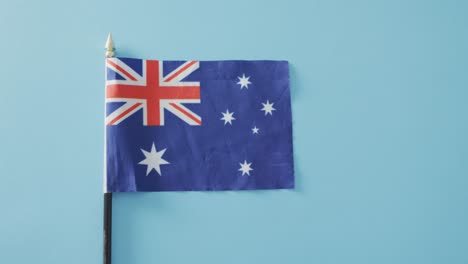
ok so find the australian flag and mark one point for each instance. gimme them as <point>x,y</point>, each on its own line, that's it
<point>197,125</point>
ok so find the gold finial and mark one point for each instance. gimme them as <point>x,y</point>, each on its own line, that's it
<point>110,47</point>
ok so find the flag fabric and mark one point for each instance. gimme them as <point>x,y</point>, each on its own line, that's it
<point>197,125</point>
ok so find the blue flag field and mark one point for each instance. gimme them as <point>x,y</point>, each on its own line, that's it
<point>197,125</point>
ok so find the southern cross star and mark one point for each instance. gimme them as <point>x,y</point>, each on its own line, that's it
<point>153,160</point>
<point>255,130</point>
<point>245,168</point>
<point>268,108</point>
<point>227,117</point>
<point>244,81</point>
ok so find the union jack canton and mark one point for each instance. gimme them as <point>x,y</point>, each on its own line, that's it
<point>152,91</point>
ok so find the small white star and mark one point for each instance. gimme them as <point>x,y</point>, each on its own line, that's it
<point>227,117</point>
<point>255,130</point>
<point>268,108</point>
<point>244,81</point>
<point>245,168</point>
<point>153,160</point>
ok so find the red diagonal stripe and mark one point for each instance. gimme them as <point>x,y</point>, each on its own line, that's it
<point>175,74</point>
<point>124,113</point>
<point>128,75</point>
<point>189,115</point>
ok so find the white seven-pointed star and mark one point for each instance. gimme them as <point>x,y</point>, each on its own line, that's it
<point>245,168</point>
<point>153,160</point>
<point>255,130</point>
<point>268,108</point>
<point>227,117</point>
<point>244,81</point>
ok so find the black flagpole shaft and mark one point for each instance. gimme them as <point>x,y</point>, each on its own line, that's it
<point>107,256</point>
<point>107,228</point>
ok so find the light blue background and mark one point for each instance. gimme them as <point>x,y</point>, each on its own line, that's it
<point>379,91</point>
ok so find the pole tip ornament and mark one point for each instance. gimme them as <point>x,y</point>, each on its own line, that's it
<point>110,46</point>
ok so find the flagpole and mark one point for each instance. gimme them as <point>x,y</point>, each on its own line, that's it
<point>107,228</point>
<point>107,252</point>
